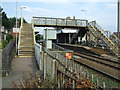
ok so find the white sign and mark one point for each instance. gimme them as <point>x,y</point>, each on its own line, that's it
<point>15,30</point>
<point>2,29</point>
<point>78,39</point>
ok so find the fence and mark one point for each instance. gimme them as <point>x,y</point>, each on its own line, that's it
<point>38,49</point>
<point>7,56</point>
<point>53,64</point>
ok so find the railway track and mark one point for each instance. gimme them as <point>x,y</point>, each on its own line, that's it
<point>107,62</point>
<point>100,64</point>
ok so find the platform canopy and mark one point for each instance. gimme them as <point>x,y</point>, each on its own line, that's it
<point>67,31</point>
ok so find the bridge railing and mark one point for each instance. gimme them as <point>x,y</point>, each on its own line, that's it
<point>59,22</point>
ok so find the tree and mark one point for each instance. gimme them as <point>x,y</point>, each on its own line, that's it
<point>39,37</point>
<point>9,37</point>
<point>5,20</point>
<point>24,21</point>
<point>12,22</point>
<point>0,16</point>
<point>9,23</point>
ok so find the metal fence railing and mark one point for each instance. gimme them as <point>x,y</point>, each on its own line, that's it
<point>38,49</point>
<point>53,64</point>
<point>59,22</point>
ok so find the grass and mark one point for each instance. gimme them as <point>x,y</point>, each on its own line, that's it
<point>101,79</point>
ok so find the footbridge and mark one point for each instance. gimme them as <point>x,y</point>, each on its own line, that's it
<point>59,22</point>
<point>82,26</point>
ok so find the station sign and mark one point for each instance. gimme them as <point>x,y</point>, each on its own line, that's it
<point>69,55</point>
<point>2,29</point>
<point>16,30</point>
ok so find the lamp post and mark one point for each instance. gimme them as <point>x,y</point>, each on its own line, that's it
<point>16,13</point>
<point>85,12</point>
<point>22,7</point>
<point>0,22</point>
<point>16,26</point>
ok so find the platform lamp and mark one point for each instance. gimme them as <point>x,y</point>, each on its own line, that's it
<point>16,24</point>
<point>85,12</point>
<point>22,7</point>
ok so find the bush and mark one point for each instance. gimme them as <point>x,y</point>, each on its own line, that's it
<point>4,43</point>
<point>39,37</point>
<point>0,45</point>
<point>34,80</point>
<point>9,37</point>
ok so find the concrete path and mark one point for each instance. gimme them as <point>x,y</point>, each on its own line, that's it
<point>21,66</point>
<point>0,68</point>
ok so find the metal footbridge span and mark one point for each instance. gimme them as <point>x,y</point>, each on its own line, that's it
<point>79,24</point>
<point>59,22</point>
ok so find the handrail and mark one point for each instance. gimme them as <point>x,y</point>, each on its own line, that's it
<point>108,31</point>
<point>57,18</point>
<point>19,39</point>
<point>102,31</point>
<point>115,36</point>
<point>113,47</point>
<point>33,34</point>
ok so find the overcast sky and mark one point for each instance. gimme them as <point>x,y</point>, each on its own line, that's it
<point>103,11</point>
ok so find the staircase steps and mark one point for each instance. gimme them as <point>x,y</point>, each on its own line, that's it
<point>26,45</point>
<point>26,53</point>
<point>112,47</point>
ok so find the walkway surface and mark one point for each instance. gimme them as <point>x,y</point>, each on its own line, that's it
<point>0,68</point>
<point>20,66</point>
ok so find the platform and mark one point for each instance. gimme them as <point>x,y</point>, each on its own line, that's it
<point>21,66</point>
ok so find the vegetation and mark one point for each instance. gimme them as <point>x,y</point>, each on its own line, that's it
<point>39,37</point>
<point>8,23</point>
<point>34,81</point>
<point>9,37</point>
<point>3,43</point>
<point>0,45</point>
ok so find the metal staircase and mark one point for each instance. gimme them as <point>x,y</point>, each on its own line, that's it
<point>98,32</point>
<point>26,40</point>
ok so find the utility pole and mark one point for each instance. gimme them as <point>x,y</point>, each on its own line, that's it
<point>0,22</point>
<point>16,13</point>
<point>118,31</point>
<point>118,19</point>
